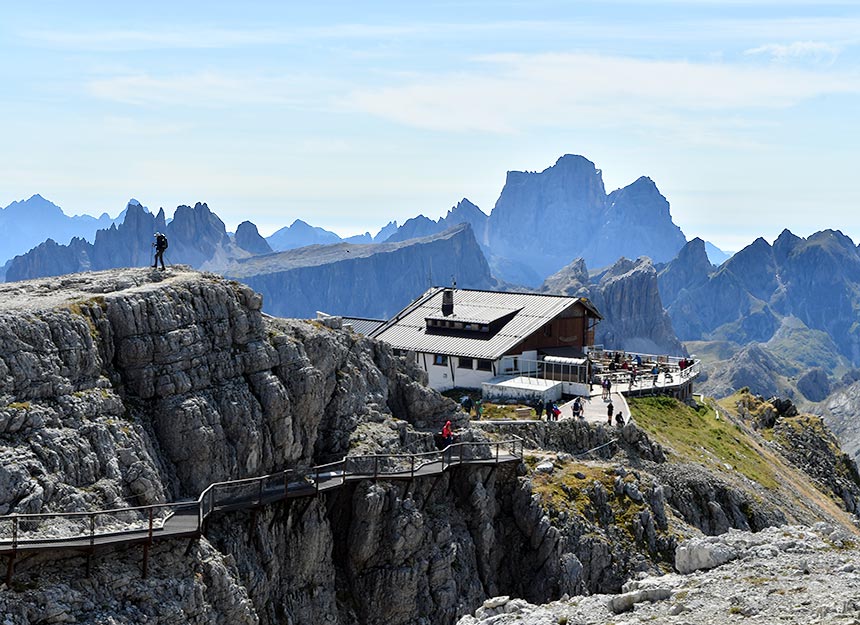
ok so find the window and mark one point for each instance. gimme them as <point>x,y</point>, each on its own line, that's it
<point>485,365</point>
<point>440,359</point>
<point>464,363</point>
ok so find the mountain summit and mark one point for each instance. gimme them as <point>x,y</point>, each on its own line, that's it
<point>544,220</point>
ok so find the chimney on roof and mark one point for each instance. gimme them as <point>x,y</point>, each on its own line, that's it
<point>448,302</point>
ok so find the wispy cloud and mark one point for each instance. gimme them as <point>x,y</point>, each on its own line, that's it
<point>210,90</point>
<point>512,93</point>
<point>814,50</point>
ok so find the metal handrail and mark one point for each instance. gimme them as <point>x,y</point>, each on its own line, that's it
<point>207,501</point>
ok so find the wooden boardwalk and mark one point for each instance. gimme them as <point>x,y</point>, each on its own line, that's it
<point>86,531</point>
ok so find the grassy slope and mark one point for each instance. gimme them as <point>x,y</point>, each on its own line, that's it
<point>699,436</point>
<point>728,446</point>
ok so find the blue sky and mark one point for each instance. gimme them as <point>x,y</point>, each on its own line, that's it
<point>346,114</point>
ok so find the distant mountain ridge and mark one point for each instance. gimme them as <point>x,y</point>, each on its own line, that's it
<point>27,223</point>
<point>815,280</point>
<point>369,280</point>
<point>197,237</point>
<point>540,223</point>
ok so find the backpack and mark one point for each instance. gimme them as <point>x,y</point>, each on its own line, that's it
<point>161,242</point>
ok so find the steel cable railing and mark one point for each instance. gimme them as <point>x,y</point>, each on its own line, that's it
<point>83,529</point>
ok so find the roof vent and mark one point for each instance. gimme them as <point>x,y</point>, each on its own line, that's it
<point>448,302</point>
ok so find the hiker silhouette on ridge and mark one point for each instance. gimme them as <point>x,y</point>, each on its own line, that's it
<point>160,244</point>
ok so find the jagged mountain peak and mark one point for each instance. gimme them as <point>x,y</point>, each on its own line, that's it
<point>465,206</point>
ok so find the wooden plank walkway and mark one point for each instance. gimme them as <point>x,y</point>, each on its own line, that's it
<point>51,532</point>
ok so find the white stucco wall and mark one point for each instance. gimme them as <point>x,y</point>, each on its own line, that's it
<point>450,375</point>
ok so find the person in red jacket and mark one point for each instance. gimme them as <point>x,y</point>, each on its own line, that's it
<point>447,433</point>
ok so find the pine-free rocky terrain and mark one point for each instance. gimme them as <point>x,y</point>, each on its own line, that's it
<point>129,387</point>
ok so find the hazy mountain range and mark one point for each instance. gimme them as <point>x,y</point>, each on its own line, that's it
<point>540,223</point>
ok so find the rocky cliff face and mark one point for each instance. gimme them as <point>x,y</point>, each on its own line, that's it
<point>364,280</point>
<point>130,387</point>
<point>628,297</point>
<point>793,575</point>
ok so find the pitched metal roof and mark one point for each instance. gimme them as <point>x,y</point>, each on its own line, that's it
<point>364,326</point>
<point>531,311</point>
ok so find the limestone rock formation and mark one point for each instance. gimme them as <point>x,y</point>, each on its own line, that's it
<point>249,239</point>
<point>546,219</point>
<point>753,367</point>
<point>689,270</point>
<point>464,212</point>
<point>842,408</point>
<point>130,387</point>
<point>628,297</point>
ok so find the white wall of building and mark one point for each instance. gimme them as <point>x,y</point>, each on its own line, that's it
<point>451,375</point>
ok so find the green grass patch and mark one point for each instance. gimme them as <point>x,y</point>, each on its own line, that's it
<point>568,487</point>
<point>490,410</point>
<point>698,436</point>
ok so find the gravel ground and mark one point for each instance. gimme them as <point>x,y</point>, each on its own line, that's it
<point>788,575</point>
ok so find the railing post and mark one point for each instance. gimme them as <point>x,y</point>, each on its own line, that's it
<point>317,479</point>
<point>15,533</point>
<point>412,468</point>
<point>497,453</point>
<point>146,547</point>
<point>260,493</point>
<point>375,466</point>
<point>92,528</point>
